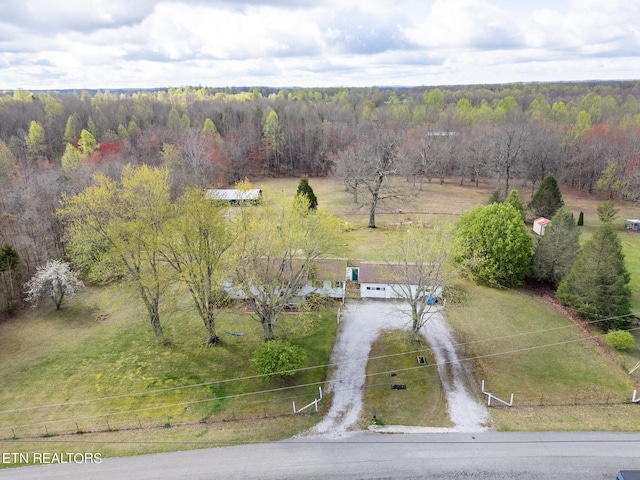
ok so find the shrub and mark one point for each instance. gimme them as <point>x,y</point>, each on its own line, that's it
<point>278,357</point>
<point>492,243</point>
<point>619,339</point>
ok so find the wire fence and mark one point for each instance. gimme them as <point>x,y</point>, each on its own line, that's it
<point>577,399</point>
<point>60,421</point>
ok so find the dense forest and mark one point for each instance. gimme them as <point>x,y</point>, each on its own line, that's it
<point>52,143</point>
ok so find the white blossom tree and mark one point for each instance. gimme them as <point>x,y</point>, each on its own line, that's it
<point>54,280</point>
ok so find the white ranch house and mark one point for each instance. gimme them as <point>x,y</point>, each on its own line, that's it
<point>328,278</point>
<point>379,280</point>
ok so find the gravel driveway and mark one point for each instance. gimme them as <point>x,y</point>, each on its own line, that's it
<point>362,322</point>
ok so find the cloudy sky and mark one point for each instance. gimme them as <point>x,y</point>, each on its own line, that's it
<point>56,44</point>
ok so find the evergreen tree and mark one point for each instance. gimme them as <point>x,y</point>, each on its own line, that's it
<point>71,129</point>
<point>34,140</point>
<point>607,211</point>
<point>133,130</point>
<point>513,199</point>
<point>557,250</point>
<point>548,199</point>
<point>598,283</point>
<point>87,143</point>
<point>71,157</point>
<point>305,189</point>
<point>209,128</point>
<point>495,197</point>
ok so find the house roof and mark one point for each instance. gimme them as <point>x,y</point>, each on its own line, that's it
<point>388,273</point>
<point>334,269</point>
<point>233,194</point>
<point>542,221</point>
<point>330,269</point>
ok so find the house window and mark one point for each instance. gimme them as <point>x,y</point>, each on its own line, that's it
<point>337,284</point>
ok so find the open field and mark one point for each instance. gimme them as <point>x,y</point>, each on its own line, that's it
<point>97,357</point>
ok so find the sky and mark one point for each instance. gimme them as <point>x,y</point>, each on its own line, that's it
<point>111,44</point>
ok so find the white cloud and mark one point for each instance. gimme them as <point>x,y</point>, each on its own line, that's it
<point>148,43</point>
<point>468,24</point>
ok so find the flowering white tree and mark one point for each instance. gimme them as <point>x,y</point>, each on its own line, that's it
<point>55,280</point>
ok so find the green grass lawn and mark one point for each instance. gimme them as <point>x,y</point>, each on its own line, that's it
<point>423,402</point>
<point>95,365</point>
<point>522,345</point>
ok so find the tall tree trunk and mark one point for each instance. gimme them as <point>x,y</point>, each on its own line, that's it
<point>375,196</point>
<point>415,323</point>
<point>210,324</point>
<point>154,318</point>
<point>507,178</point>
<point>153,309</point>
<point>267,326</point>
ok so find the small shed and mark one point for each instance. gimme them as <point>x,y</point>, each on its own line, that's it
<point>632,224</point>
<point>235,196</point>
<point>539,225</point>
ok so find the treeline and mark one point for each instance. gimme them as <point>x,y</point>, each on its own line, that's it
<point>586,134</point>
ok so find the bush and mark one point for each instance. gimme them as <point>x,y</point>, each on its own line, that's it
<point>619,339</point>
<point>278,357</point>
<point>492,243</point>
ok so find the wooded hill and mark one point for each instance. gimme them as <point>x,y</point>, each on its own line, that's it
<point>587,134</point>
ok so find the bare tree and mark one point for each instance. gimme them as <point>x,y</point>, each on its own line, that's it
<point>416,153</point>
<point>509,142</point>
<point>367,165</point>
<point>544,153</point>
<point>417,261</point>
<point>475,151</point>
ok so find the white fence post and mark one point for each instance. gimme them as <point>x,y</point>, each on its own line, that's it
<point>634,399</point>
<point>315,402</point>
<point>490,396</point>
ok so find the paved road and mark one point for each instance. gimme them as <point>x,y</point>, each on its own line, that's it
<point>366,455</point>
